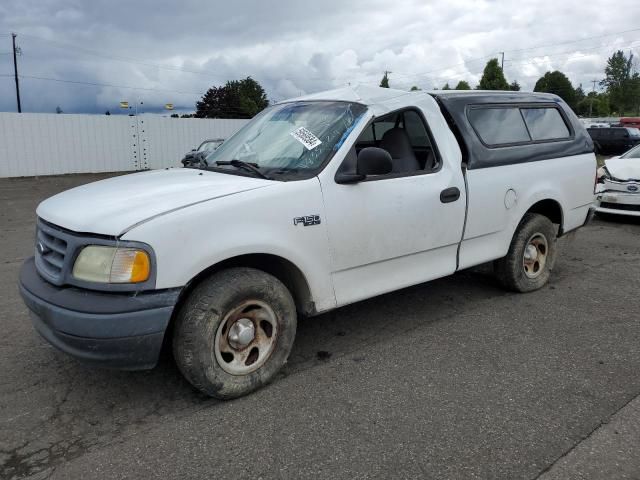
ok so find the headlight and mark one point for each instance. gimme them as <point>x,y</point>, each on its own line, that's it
<point>112,265</point>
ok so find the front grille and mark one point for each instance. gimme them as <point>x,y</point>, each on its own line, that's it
<point>51,252</point>
<point>620,206</point>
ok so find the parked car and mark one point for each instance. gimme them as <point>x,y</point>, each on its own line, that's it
<point>317,203</point>
<point>618,190</point>
<point>614,140</point>
<point>633,122</point>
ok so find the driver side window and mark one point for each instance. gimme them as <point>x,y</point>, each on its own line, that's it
<point>405,136</point>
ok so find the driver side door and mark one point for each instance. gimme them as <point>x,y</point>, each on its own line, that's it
<point>394,230</point>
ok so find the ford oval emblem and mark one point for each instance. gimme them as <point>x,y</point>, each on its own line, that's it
<point>632,188</point>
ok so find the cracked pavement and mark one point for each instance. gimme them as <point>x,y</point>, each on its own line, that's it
<point>450,379</point>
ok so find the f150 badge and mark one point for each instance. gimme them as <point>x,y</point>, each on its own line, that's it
<point>307,220</point>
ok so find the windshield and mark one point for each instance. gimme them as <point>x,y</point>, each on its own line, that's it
<point>292,139</point>
<point>209,146</point>
<point>633,153</point>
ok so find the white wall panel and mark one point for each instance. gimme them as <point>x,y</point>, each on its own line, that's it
<point>50,144</point>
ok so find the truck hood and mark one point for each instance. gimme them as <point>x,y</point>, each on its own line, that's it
<point>115,205</point>
<point>624,168</point>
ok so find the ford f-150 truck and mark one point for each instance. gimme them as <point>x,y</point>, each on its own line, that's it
<point>316,203</point>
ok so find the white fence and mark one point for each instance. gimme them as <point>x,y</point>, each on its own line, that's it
<point>49,144</point>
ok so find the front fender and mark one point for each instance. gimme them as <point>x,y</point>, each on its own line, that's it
<point>191,240</point>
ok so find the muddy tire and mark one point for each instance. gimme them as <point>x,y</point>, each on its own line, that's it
<point>531,257</point>
<point>234,332</point>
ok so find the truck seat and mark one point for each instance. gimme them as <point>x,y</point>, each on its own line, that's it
<point>396,142</point>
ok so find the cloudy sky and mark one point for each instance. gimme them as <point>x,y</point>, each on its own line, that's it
<point>86,56</point>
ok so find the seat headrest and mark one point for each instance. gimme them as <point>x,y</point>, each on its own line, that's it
<point>396,142</point>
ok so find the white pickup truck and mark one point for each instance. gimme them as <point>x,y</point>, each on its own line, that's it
<point>316,203</point>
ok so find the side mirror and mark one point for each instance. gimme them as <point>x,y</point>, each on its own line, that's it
<point>370,161</point>
<point>374,161</point>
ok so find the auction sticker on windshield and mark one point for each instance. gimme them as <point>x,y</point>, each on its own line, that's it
<point>306,138</point>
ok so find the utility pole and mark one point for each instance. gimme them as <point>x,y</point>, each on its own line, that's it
<point>502,62</point>
<point>15,71</point>
<point>591,102</point>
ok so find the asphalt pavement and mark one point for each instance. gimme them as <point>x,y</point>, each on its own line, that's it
<point>454,378</point>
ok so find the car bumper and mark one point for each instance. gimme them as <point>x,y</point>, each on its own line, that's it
<point>113,330</point>
<point>618,203</point>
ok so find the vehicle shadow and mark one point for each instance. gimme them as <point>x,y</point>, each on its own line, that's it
<point>75,408</point>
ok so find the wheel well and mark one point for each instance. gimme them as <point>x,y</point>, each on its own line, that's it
<point>279,267</point>
<point>550,209</point>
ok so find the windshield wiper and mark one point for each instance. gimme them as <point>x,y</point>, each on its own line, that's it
<point>250,167</point>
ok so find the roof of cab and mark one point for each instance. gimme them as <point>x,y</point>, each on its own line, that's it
<point>378,96</point>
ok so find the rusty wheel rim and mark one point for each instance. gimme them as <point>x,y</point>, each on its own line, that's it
<point>535,255</point>
<point>246,337</point>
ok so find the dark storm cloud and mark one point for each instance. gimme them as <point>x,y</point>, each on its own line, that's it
<point>291,47</point>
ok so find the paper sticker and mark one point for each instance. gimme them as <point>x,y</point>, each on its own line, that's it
<point>306,138</point>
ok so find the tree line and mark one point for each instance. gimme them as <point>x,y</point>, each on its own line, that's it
<point>620,96</point>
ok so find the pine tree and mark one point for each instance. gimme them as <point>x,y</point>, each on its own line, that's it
<point>463,85</point>
<point>384,83</point>
<point>493,77</point>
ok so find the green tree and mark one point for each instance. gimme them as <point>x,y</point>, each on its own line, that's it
<point>557,83</point>
<point>514,86</point>
<point>446,86</point>
<point>384,83</point>
<point>493,77</point>
<point>594,105</point>
<point>462,85</point>
<point>622,83</point>
<point>579,94</point>
<point>415,88</point>
<point>236,99</point>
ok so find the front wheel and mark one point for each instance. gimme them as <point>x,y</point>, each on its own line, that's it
<point>531,256</point>
<point>234,332</point>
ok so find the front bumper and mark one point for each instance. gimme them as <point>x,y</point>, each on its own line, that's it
<point>618,203</point>
<point>114,330</point>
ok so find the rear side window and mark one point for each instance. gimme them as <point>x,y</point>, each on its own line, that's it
<point>545,123</point>
<point>414,126</point>
<point>499,126</point>
<point>620,132</point>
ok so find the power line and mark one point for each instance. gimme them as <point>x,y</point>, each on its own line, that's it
<point>464,63</point>
<point>572,41</point>
<point>97,84</point>
<point>226,110</point>
<point>575,56</point>
<point>119,58</point>
<point>570,52</point>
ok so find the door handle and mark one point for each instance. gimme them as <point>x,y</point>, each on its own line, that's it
<point>449,195</point>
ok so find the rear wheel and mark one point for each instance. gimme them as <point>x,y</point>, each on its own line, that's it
<point>531,256</point>
<point>234,332</point>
